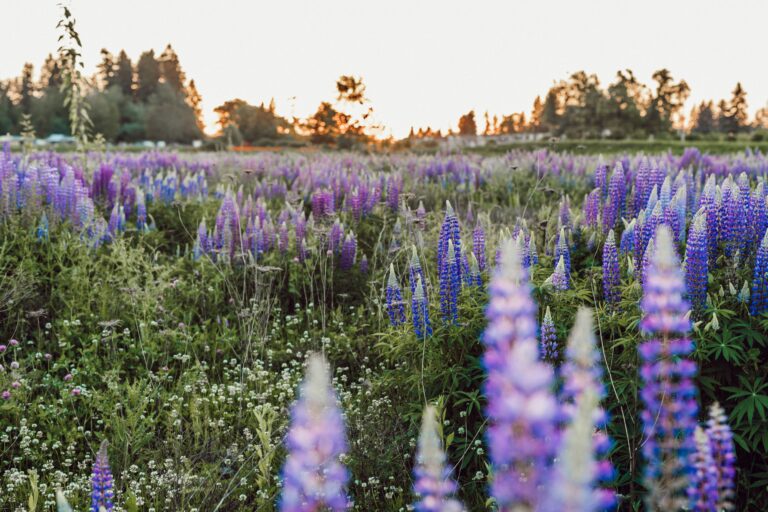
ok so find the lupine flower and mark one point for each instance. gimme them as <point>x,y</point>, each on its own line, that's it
<point>348,251</point>
<point>565,213</point>
<point>592,208</point>
<point>42,228</point>
<point>449,232</point>
<point>696,264</point>
<point>415,272</point>
<point>611,277</point>
<point>668,393</point>
<point>434,484</point>
<point>559,278</point>
<point>582,378</point>
<point>101,481</point>
<point>394,299</point>
<point>550,352</point>
<point>723,455</point>
<point>562,251</point>
<point>759,300</point>
<point>627,244</point>
<point>62,505</point>
<point>313,476</point>
<point>601,176</point>
<point>420,311</point>
<point>533,253</point>
<point>702,490</point>
<point>364,264</point>
<point>475,277</point>
<point>450,283</point>
<point>478,246</point>
<point>521,410</point>
<point>421,213</point>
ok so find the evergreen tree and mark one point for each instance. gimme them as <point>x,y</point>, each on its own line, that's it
<point>148,75</point>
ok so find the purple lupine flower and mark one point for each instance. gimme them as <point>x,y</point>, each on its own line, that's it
<point>550,351</point>
<point>420,310</point>
<point>735,223</point>
<point>702,490</point>
<point>478,246</point>
<point>313,476</point>
<point>559,278</point>
<point>282,238</point>
<point>141,212</point>
<point>583,388</point>
<point>611,276</point>
<point>565,213</point>
<point>449,232</point>
<point>202,244</point>
<point>101,481</point>
<point>617,192</point>
<point>668,393</point>
<point>562,251</point>
<point>394,299</point>
<point>335,237</point>
<point>415,272</point>
<point>696,265</point>
<point>627,245</point>
<point>475,276</point>
<point>759,297</point>
<point>450,283</point>
<point>42,227</point>
<point>364,264</point>
<point>708,203</point>
<point>393,193</point>
<point>532,252</point>
<point>421,213</point>
<point>434,485</point>
<point>758,216</point>
<point>723,455</point>
<point>348,251</point>
<point>601,177</point>
<point>521,410</point>
<point>592,208</point>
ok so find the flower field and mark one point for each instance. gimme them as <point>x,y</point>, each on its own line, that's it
<point>530,332</point>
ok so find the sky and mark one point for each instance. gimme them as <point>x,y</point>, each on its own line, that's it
<point>424,62</point>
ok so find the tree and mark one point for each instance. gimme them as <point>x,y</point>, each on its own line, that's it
<point>550,116</point>
<point>625,105</point>
<point>761,118</point>
<point>195,101</point>
<point>467,124</point>
<point>323,125</point>
<point>667,101</point>
<point>169,117</point>
<point>351,89</point>
<point>148,75</point>
<point>106,67</point>
<point>170,70</point>
<point>704,118</point>
<point>738,108</point>
<point>50,73</point>
<point>26,88</point>
<point>105,113</point>
<point>124,74</point>
<point>537,112</point>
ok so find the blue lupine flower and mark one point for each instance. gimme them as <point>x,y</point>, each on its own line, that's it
<point>759,297</point>
<point>420,311</point>
<point>102,493</point>
<point>394,299</point>
<point>611,277</point>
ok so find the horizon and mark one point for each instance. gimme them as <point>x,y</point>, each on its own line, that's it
<point>497,71</point>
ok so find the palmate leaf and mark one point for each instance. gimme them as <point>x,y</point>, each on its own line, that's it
<point>752,399</point>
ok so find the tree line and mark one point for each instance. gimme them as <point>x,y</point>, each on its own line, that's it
<point>127,102</point>
<point>581,108</point>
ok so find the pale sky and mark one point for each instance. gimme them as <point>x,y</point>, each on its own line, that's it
<point>424,62</point>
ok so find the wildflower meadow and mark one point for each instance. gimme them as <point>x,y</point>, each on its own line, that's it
<point>535,331</point>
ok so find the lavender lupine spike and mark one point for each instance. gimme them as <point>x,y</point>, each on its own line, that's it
<point>582,374</point>
<point>475,276</point>
<point>364,264</point>
<point>627,245</point>
<point>611,276</point>
<point>42,227</point>
<point>532,252</point>
<point>478,246</point>
<point>668,393</point>
<point>434,484</point>
<point>562,251</point>
<point>313,476</point>
<point>559,278</point>
<point>592,208</point>
<point>394,299</point>
<point>415,270</point>
<point>702,491</point>
<point>696,264</point>
<point>521,410</point>
<point>723,455</point>
<point>759,297</point>
<point>449,232</point>
<point>102,493</point>
<point>348,252</point>
<point>450,283</point>
<point>420,311</point>
<point>550,351</point>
